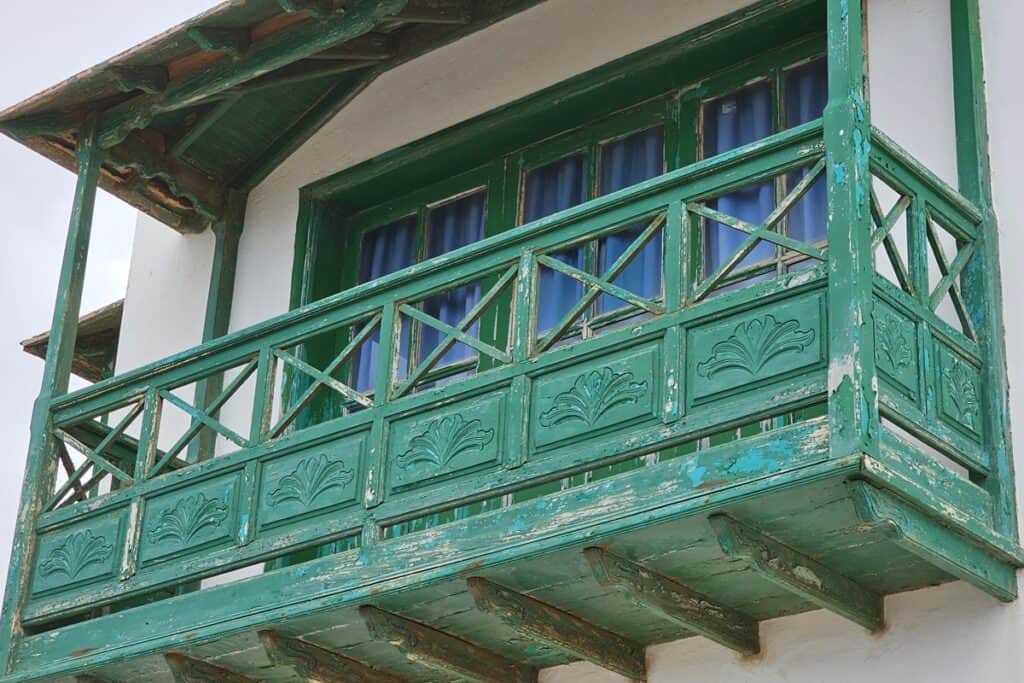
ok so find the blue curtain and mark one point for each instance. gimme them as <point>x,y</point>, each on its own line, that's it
<point>729,122</point>
<point>806,97</point>
<point>549,189</point>
<point>625,162</point>
<point>384,250</point>
<point>449,227</point>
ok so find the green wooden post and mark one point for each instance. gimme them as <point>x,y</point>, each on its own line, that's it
<point>982,281</point>
<point>228,232</point>
<point>853,402</point>
<point>40,467</point>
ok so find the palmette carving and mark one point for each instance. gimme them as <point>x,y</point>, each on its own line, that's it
<point>754,344</point>
<point>962,392</point>
<point>443,441</point>
<point>186,519</point>
<point>311,478</point>
<point>592,395</point>
<point>75,554</point>
<point>894,348</point>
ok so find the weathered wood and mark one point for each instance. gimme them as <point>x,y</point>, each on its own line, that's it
<point>933,542</point>
<point>314,8</point>
<point>86,678</point>
<point>41,465</point>
<point>372,46</point>
<point>187,670</point>
<point>853,401</point>
<point>318,664</point>
<point>230,41</point>
<point>555,628</point>
<point>983,278</point>
<point>672,600</point>
<point>148,79</point>
<point>798,573</point>
<point>443,652</point>
<point>280,49</point>
<point>435,12</point>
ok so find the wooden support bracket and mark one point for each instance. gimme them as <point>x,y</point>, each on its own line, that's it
<point>934,542</point>
<point>674,601</point>
<point>443,652</point>
<point>803,576</point>
<point>560,630</point>
<point>314,663</point>
<point>187,670</point>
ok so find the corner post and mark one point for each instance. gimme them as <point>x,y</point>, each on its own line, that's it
<point>40,466</point>
<point>852,383</point>
<point>981,279</point>
<point>228,233</point>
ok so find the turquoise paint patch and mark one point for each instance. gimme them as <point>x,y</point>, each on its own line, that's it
<point>696,475</point>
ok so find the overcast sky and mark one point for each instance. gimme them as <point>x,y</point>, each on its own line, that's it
<point>42,43</point>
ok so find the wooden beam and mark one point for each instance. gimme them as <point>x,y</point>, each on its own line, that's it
<point>443,652</point>
<point>148,79</point>
<point>934,542</point>
<point>314,8</point>
<point>560,630</point>
<point>299,73</point>
<point>87,678</point>
<point>315,663</point>
<point>231,41</point>
<point>207,195</point>
<point>672,600</point>
<point>207,121</point>
<point>278,50</point>
<point>799,574</point>
<point>187,670</point>
<point>372,46</point>
<point>434,12</point>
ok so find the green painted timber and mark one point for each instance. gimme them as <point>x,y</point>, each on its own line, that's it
<point>729,442</point>
<point>319,664</point>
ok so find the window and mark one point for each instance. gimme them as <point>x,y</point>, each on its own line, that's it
<point>431,231</point>
<point>603,164</point>
<point>786,99</point>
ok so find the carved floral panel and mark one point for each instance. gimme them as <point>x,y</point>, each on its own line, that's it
<point>726,356</point>
<point>311,481</point>
<point>896,349</point>
<point>468,435</point>
<point>958,391</point>
<point>85,552</point>
<point>183,521</point>
<point>591,397</point>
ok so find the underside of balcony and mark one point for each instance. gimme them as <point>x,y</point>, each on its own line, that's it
<point>755,529</point>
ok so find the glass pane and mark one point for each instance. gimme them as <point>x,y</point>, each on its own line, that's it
<point>450,226</point>
<point>557,186</point>
<point>384,250</point>
<point>806,89</point>
<point>625,162</point>
<point>737,119</point>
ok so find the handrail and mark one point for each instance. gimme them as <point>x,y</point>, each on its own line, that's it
<point>367,295</point>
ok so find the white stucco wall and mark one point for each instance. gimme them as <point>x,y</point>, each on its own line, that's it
<point>946,634</point>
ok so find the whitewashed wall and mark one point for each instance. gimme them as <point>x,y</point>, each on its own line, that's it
<point>948,634</point>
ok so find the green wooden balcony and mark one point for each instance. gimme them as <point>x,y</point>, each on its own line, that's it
<point>677,466</point>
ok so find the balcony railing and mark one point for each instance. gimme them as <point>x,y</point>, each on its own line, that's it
<point>738,354</point>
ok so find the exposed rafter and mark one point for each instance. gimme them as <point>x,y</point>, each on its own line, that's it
<point>318,664</point>
<point>372,46</point>
<point>187,670</point>
<point>298,73</point>
<point>442,652</point>
<point>560,630</point>
<point>279,50</point>
<point>672,600</point>
<point>435,12</point>
<point>799,574</point>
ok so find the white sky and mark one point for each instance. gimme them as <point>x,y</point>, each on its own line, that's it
<point>42,43</point>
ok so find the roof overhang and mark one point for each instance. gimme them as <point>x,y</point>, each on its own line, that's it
<point>218,102</point>
<point>95,343</point>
